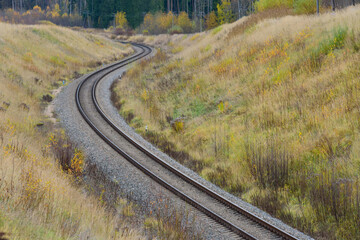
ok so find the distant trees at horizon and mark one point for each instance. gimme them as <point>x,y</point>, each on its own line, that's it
<point>102,13</point>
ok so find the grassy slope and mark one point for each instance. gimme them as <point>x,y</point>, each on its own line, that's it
<point>37,199</point>
<point>269,112</point>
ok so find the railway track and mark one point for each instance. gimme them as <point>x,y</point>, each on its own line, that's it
<point>241,222</point>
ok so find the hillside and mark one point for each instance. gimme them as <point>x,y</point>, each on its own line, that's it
<point>266,109</point>
<point>38,198</point>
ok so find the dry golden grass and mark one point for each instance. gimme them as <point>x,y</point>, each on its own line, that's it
<point>37,199</point>
<point>270,113</point>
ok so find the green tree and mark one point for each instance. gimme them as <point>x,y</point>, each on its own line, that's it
<point>120,20</point>
<point>225,14</point>
<point>211,20</point>
<point>156,6</point>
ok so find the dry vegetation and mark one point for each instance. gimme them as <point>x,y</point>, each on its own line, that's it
<point>40,197</point>
<point>269,112</point>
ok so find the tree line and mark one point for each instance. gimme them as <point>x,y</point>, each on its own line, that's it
<point>102,13</point>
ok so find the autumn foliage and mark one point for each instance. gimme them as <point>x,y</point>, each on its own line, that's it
<point>224,13</point>
<point>36,15</point>
<point>184,22</point>
<point>167,23</point>
<point>120,20</point>
<point>170,23</point>
<point>211,20</point>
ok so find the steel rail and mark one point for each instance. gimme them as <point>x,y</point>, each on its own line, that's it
<point>181,175</point>
<point>185,177</point>
<point>162,182</point>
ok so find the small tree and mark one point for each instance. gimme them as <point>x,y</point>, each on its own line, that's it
<point>166,21</point>
<point>225,14</point>
<point>211,20</point>
<point>37,10</point>
<point>120,20</point>
<point>149,23</point>
<point>55,13</point>
<point>184,22</point>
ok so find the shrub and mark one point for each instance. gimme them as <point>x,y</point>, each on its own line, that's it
<point>178,125</point>
<point>175,30</point>
<point>70,158</point>
<point>184,22</point>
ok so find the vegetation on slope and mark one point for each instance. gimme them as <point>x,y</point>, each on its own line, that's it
<point>38,198</point>
<point>269,112</point>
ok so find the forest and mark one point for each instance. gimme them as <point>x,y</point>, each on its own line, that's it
<point>101,13</point>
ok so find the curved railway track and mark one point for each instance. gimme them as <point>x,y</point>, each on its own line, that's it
<point>238,220</point>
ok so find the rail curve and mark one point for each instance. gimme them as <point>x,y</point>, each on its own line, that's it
<point>96,77</point>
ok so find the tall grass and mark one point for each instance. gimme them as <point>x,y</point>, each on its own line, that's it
<point>268,164</point>
<point>270,113</point>
<point>38,195</point>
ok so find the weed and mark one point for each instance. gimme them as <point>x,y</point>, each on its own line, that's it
<point>206,49</point>
<point>216,30</point>
<point>178,126</point>
<point>177,49</point>
<point>15,77</point>
<point>56,61</point>
<point>70,158</point>
<point>326,47</point>
<point>194,37</point>
<point>268,164</point>
<point>34,191</point>
<point>169,223</point>
<point>198,108</point>
<point>223,67</point>
<point>28,57</point>
<point>355,41</point>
